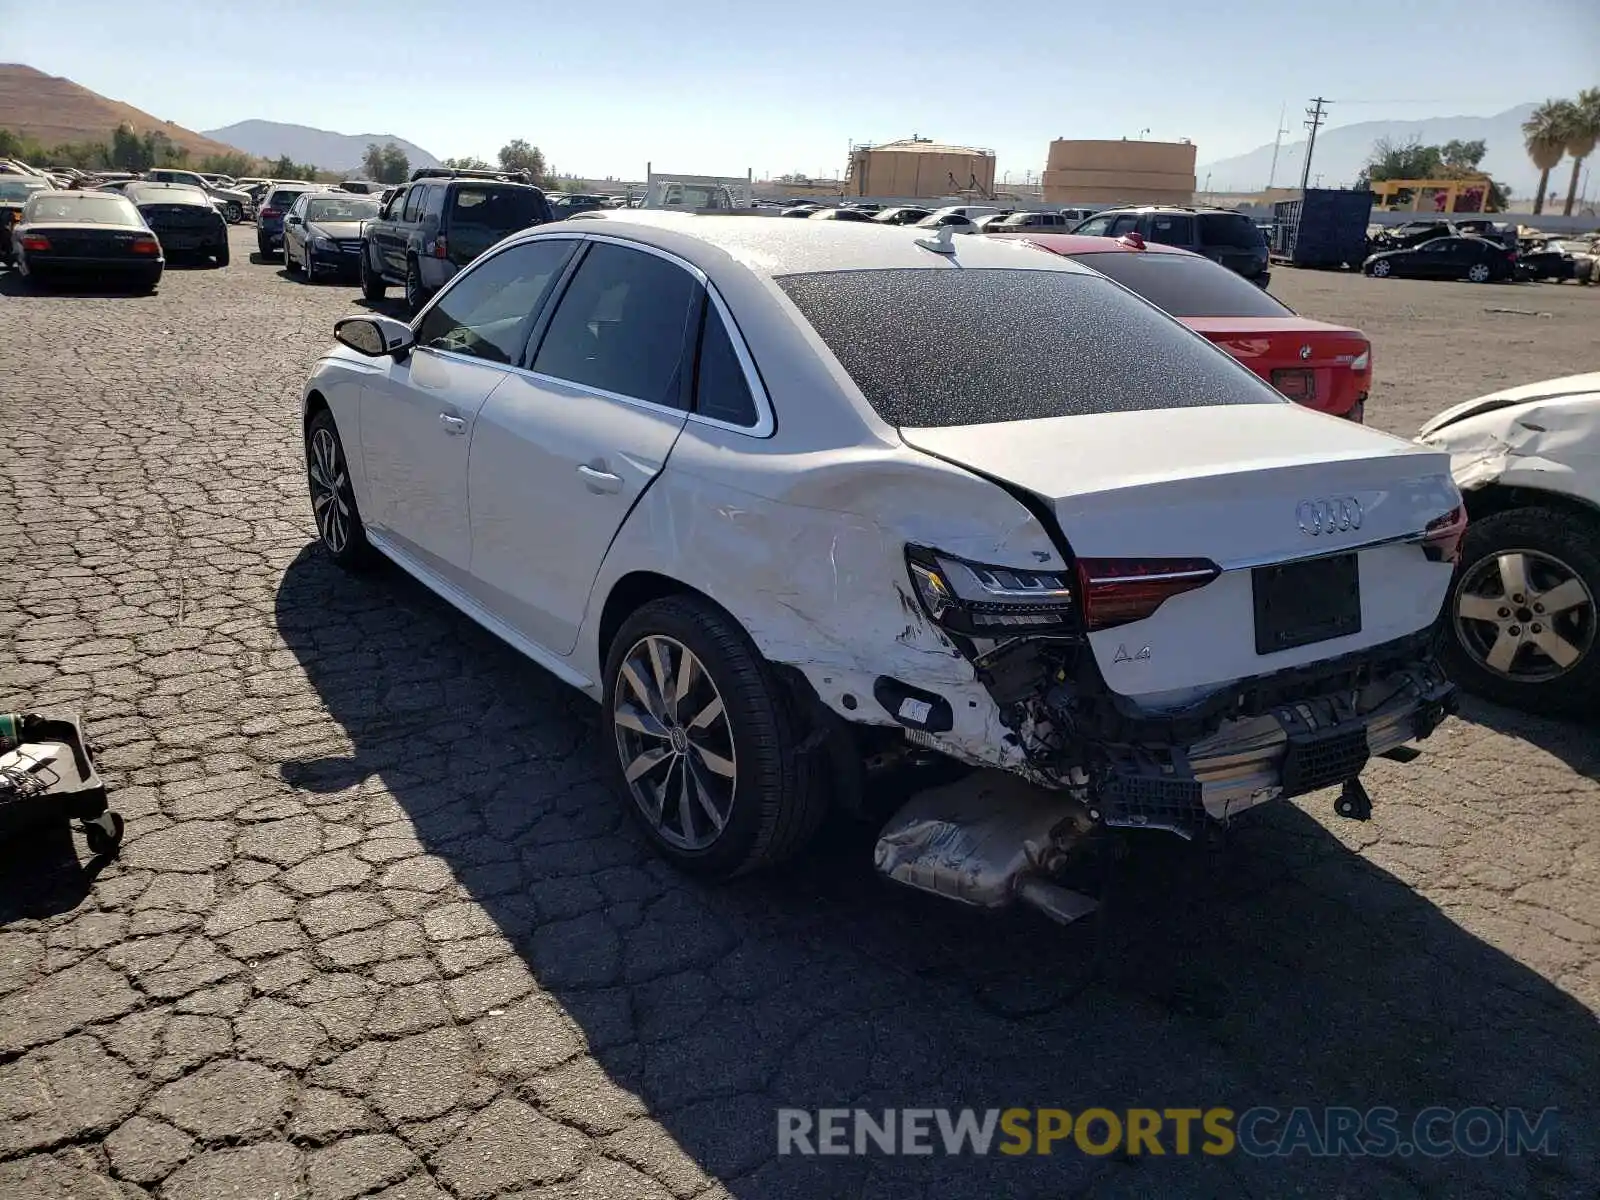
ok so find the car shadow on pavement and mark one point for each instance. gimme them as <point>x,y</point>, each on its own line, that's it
<point>671,1019</point>
<point>1574,740</point>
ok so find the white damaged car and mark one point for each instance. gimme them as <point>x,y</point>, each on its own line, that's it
<point>789,498</point>
<point>1522,612</point>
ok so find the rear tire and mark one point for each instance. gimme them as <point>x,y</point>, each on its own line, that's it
<point>221,257</point>
<point>1479,273</point>
<point>416,294</point>
<point>774,796</point>
<point>372,285</point>
<point>1557,536</point>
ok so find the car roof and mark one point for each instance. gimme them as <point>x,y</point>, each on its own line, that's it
<point>1082,243</point>
<point>767,247</point>
<point>183,190</point>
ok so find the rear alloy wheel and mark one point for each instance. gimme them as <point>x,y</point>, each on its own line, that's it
<point>233,212</point>
<point>1380,269</point>
<point>705,737</point>
<point>1523,610</point>
<point>333,500</point>
<point>372,285</point>
<point>1479,273</point>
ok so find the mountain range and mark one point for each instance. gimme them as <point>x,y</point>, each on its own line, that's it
<point>53,110</point>
<point>1343,150</point>
<point>319,147</point>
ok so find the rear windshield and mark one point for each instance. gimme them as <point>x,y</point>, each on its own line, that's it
<point>1186,286</point>
<point>933,346</point>
<point>10,189</point>
<point>502,209</point>
<point>284,197</point>
<point>104,209</point>
<point>1230,229</point>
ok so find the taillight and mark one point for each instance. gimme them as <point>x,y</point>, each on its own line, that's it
<point>35,241</point>
<point>439,247</point>
<point>1116,591</point>
<point>146,245</point>
<point>1441,539</point>
<point>989,601</point>
<point>271,212</point>
<point>1362,361</point>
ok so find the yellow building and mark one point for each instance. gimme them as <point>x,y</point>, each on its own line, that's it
<point>920,168</point>
<point>1120,172</point>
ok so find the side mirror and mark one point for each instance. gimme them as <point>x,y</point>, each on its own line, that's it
<point>374,336</point>
<point>293,220</point>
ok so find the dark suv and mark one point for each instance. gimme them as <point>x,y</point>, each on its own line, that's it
<point>438,223</point>
<point>1229,238</point>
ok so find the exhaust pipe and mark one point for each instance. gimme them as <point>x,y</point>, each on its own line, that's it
<point>988,840</point>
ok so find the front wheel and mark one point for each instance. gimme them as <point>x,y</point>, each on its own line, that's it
<point>1379,270</point>
<point>702,737</point>
<point>1522,610</point>
<point>333,499</point>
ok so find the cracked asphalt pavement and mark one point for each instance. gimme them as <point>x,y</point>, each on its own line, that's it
<point>378,928</point>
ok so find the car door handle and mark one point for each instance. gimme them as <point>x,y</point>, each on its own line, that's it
<point>452,425</point>
<point>599,482</point>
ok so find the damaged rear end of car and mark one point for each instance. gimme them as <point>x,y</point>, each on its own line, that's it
<point>1239,603</point>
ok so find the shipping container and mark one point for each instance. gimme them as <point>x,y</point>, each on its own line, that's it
<point>1327,228</point>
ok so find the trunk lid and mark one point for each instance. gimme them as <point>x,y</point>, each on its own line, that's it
<point>1308,361</point>
<point>1232,486</point>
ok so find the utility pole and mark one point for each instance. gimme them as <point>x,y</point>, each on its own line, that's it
<point>1315,116</point>
<point>1277,142</point>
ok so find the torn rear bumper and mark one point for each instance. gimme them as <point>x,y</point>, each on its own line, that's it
<point>1295,747</point>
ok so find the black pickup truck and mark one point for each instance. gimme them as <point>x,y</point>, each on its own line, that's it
<point>439,222</point>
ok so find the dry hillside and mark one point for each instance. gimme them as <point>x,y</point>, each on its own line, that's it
<point>55,110</point>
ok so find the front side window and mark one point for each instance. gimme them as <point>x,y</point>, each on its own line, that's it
<point>621,326</point>
<point>490,311</point>
<point>391,211</point>
<point>935,347</point>
<point>1095,227</point>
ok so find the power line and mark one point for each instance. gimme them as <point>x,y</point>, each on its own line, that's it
<point>1315,116</point>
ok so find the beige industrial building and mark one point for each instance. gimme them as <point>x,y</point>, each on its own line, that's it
<point>1120,172</point>
<point>918,167</point>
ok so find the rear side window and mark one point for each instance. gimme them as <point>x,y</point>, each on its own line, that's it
<point>1171,230</point>
<point>1234,230</point>
<point>1185,285</point>
<point>936,346</point>
<point>1126,223</point>
<point>721,391</point>
<point>623,326</point>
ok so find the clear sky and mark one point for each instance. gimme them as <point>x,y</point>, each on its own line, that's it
<point>715,87</point>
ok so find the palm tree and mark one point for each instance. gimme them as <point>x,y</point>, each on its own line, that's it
<point>1583,132</point>
<point>1544,133</point>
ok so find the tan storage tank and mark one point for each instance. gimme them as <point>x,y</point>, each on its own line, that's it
<point>920,168</point>
<point>1120,172</point>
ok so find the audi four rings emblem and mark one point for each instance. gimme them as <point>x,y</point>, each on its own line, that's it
<point>1332,514</point>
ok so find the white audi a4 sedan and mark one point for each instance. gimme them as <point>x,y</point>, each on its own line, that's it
<point>796,499</point>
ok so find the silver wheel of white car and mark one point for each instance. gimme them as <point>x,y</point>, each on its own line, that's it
<point>676,746</point>
<point>1523,609</point>
<point>1478,273</point>
<point>705,741</point>
<point>333,501</point>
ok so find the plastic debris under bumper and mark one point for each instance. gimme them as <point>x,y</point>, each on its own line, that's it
<point>1294,749</point>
